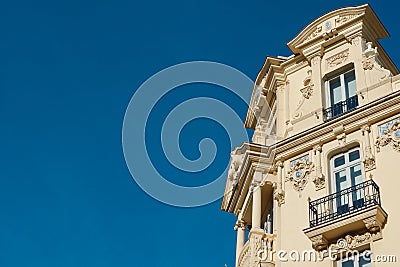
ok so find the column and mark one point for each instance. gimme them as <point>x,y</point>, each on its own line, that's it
<point>240,227</point>
<point>256,212</point>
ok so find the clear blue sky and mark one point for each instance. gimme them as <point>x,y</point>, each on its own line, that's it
<point>67,72</point>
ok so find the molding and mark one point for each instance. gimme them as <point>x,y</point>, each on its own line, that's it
<point>372,112</point>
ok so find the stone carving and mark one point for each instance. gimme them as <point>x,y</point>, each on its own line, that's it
<point>355,39</point>
<point>236,161</point>
<point>369,163</point>
<point>319,242</point>
<point>315,60</point>
<point>357,240</point>
<point>279,196</point>
<point>370,61</point>
<point>372,224</point>
<point>308,88</point>
<point>389,134</point>
<point>337,59</point>
<point>299,172</point>
<point>341,139</point>
<point>307,92</point>
<point>317,31</point>
<point>369,159</point>
<point>244,256</point>
<point>351,242</point>
<point>256,244</point>
<point>368,64</point>
<point>319,179</point>
<point>345,18</point>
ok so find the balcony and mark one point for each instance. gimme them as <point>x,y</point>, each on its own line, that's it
<point>340,108</point>
<point>354,209</point>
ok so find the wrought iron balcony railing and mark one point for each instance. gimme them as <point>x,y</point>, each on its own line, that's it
<point>343,203</point>
<point>340,108</point>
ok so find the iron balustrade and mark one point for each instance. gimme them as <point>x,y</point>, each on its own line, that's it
<point>343,203</point>
<point>341,108</point>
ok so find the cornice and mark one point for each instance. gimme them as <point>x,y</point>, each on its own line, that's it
<point>256,157</point>
<point>352,121</point>
<point>338,22</point>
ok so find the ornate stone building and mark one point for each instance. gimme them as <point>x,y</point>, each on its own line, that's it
<point>320,173</point>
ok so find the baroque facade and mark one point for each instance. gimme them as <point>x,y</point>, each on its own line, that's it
<point>320,173</point>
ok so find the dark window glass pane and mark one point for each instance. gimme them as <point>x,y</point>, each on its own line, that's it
<point>354,155</point>
<point>365,261</point>
<point>339,161</point>
<point>349,263</point>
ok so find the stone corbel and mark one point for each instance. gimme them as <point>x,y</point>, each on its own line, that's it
<point>319,242</point>
<point>316,60</point>
<point>340,135</point>
<point>369,158</point>
<point>373,224</point>
<point>319,179</point>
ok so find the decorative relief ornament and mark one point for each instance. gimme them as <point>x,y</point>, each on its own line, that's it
<point>345,18</point>
<point>389,134</point>
<point>337,59</point>
<point>299,172</point>
<point>319,242</point>
<point>308,88</point>
<point>351,242</point>
<point>279,196</point>
<point>368,64</point>
<point>319,179</point>
<point>236,162</point>
<point>369,158</point>
<point>317,31</point>
<point>369,163</point>
<point>372,224</point>
<point>370,60</point>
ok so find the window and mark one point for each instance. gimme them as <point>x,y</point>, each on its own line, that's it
<point>341,94</point>
<point>346,173</point>
<point>358,260</point>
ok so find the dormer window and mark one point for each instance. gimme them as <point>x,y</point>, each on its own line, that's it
<point>340,94</point>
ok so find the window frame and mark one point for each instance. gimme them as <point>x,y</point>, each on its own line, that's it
<point>341,76</point>
<point>346,166</point>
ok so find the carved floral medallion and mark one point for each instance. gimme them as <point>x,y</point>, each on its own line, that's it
<point>299,172</point>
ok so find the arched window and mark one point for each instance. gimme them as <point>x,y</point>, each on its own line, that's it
<point>345,175</point>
